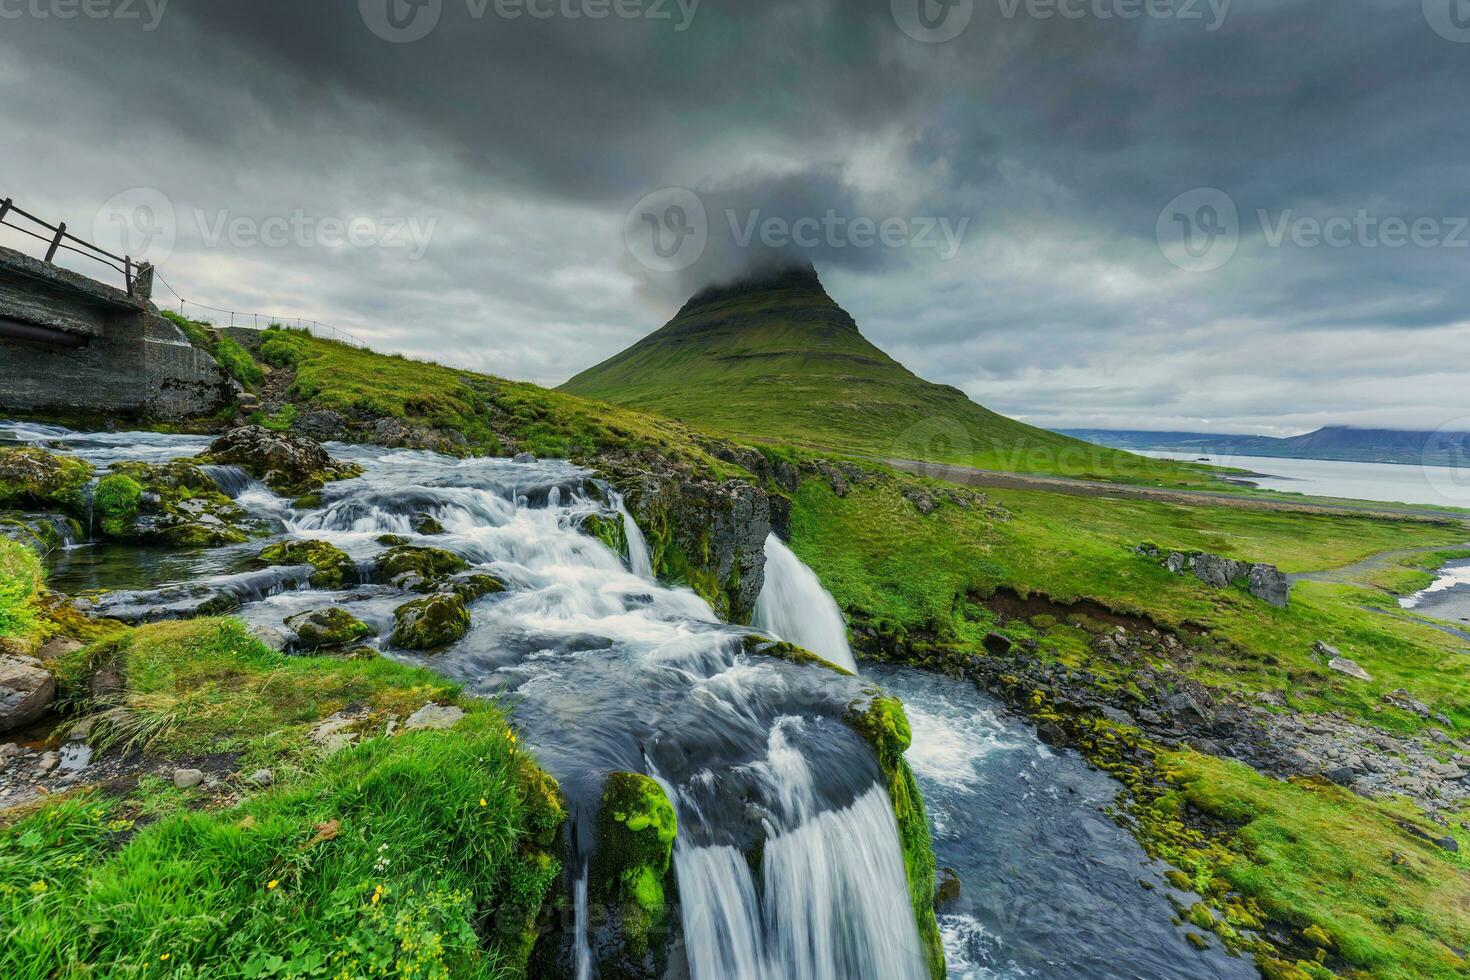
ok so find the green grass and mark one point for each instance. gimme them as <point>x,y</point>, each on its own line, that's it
<point>424,854</point>
<point>488,411</point>
<point>1313,854</point>
<point>233,359</point>
<point>20,584</point>
<point>884,560</point>
<point>785,364</point>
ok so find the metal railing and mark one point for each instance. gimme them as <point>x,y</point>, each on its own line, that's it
<point>258,321</point>
<point>57,238</point>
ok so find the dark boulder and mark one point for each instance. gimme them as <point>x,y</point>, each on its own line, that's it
<point>291,465</point>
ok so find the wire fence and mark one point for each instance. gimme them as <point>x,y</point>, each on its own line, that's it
<point>258,321</point>
<point>57,237</point>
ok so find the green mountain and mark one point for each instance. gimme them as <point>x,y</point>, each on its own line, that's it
<point>775,358</point>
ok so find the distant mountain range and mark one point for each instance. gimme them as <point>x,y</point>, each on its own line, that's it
<point>1337,442</point>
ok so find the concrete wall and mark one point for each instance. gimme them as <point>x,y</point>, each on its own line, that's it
<point>131,362</point>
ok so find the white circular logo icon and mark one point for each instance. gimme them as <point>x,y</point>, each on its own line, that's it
<point>934,442</point>
<point>1199,230</point>
<point>932,21</point>
<point>1446,462</point>
<point>1450,19</point>
<point>401,21</point>
<point>667,230</point>
<point>140,223</point>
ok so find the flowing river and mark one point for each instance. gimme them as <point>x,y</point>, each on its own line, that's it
<point>607,670</point>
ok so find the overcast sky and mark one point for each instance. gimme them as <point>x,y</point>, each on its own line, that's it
<point>996,189</point>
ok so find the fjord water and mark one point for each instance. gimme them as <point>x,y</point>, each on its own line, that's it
<point>1436,486</point>
<point>604,670</point>
<point>1448,597</point>
<point>1049,884</point>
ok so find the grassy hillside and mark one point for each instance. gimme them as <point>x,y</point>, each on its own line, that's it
<point>778,360</point>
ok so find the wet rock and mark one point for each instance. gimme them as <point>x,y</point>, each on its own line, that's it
<point>427,524</point>
<point>433,621</point>
<point>946,888</point>
<point>434,716</point>
<point>325,628</point>
<point>475,585</point>
<point>415,569</point>
<point>43,532</point>
<point>26,691</point>
<point>996,644</point>
<point>523,458</point>
<point>323,425</point>
<point>188,778</point>
<point>33,478</point>
<point>290,465</point>
<point>1344,666</point>
<point>332,566</point>
<point>176,504</point>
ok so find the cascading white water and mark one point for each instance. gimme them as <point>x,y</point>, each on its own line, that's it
<point>610,671</point>
<point>639,558</point>
<point>793,606</point>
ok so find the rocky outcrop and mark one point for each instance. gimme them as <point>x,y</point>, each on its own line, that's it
<point>331,566</point>
<point>26,690</point>
<point>1266,582</point>
<point>705,532</point>
<point>290,465</point>
<point>415,569</point>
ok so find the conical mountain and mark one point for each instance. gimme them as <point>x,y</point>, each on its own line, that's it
<point>774,358</point>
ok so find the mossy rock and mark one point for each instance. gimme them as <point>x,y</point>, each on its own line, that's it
<point>764,646</point>
<point>174,503</point>
<point>42,533</point>
<point>326,628</point>
<point>33,479</point>
<point>430,622</point>
<point>881,722</point>
<point>333,566</point>
<point>631,874</point>
<point>427,524</point>
<point>476,585</point>
<point>419,569</point>
<point>291,465</point>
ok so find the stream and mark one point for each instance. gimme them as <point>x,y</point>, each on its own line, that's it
<point>605,669</point>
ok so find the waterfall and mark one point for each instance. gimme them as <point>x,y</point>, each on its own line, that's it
<point>607,670</point>
<point>793,606</point>
<point>639,559</point>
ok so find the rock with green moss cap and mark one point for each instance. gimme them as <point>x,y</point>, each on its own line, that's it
<point>427,524</point>
<point>333,567</point>
<point>631,876</point>
<point>43,533</point>
<point>327,628</point>
<point>32,479</point>
<point>609,530</point>
<point>882,723</point>
<point>291,465</point>
<point>416,569</point>
<point>476,585</point>
<point>175,503</point>
<point>431,622</point>
<point>764,646</point>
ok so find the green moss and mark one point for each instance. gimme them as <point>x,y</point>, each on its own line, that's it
<point>433,621</point>
<point>334,567</point>
<point>789,652</point>
<point>237,363</point>
<point>608,530</point>
<point>33,478</point>
<point>472,587</point>
<point>632,867</point>
<point>323,629</point>
<point>424,567</point>
<point>115,504</point>
<point>882,723</point>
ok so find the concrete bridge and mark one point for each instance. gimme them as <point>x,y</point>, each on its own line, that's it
<point>71,344</point>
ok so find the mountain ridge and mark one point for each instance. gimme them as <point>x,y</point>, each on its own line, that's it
<point>1342,443</point>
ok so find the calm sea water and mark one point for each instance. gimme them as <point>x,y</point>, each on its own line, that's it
<point>1440,486</point>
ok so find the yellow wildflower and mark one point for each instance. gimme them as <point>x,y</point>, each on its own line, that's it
<point>163,956</point>
<point>482,802</point>
<point>271,885</point>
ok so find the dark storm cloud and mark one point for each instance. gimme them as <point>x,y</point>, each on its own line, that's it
<point>1054,142</point>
